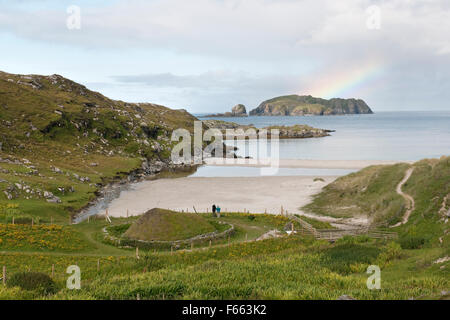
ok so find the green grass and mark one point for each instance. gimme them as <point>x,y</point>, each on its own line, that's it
<point>40,238</point>
<point>166,225</point>
<point>291,267</point>
<point>369,192</point>
<point>86,128</point>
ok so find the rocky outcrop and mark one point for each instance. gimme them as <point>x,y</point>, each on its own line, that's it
<point>295,105</point>
<point>298,131</point>
<point>238,110</point>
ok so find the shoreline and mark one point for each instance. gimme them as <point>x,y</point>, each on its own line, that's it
<point>302,163</point>
<point>234,194</point>
<point>113,189</point>
<point>137,193</point>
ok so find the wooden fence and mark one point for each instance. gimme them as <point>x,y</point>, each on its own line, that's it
<point>334,234</point>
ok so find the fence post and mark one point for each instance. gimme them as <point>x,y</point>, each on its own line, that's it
<point>137,252</point>
<point>210,243</point>
<point>53,270</point>
<point>32,222</point>
<point>13,220</point>
<point>192,245</point>
<point>246,236</point>
<point>98,264</point>
<point>4,275</point>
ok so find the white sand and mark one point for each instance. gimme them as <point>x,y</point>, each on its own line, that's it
<point>255,194</point>
<point>297,163</point>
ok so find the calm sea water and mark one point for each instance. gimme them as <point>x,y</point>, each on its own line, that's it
<point>380,136</point>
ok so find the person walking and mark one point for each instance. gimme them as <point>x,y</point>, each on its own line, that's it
<point>214,208</point>
<point>218,212</point>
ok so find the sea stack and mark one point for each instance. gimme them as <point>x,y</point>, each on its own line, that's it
<point>239,111</point>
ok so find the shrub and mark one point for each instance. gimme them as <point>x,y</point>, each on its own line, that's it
<point>411,241</point>
<point>390,252</point>
<point>118,230</point>
<point>32,281</point>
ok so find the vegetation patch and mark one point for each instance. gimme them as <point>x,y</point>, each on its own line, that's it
<point>40,237</point>
<point>369,192</point>
<point>32,281</point>
<point>165,225</point>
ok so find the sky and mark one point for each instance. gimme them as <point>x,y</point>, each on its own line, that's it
<point>209,55</point>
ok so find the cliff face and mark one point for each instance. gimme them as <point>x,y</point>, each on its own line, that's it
<point>295,105</point>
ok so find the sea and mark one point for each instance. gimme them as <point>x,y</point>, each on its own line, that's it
<point>380,136</point>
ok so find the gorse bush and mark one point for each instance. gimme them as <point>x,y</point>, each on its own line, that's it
<point>392,251</point>
<point>32,281</point>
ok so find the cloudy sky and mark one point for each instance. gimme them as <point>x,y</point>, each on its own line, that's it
<point>208,55</point>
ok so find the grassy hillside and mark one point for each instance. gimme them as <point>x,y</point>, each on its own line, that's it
<point>371,192</point>
<point>166,225</point>
<point>286,268</point>
<point>295,105</point>
<point>289,267</point>
<point>60,141</point>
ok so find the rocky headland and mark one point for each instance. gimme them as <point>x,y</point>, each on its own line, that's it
<point>295,105</point>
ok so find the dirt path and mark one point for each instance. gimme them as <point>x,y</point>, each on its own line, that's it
<point>407,197</point>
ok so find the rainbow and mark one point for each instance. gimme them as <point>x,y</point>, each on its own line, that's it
<point>341,84</point>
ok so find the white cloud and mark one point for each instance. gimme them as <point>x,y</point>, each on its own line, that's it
<point>279,45</point>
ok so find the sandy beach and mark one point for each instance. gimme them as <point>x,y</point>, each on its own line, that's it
<point>255,194</point>
<point>298,163</point>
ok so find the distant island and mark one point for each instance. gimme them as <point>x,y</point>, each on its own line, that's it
<point>295,105</point>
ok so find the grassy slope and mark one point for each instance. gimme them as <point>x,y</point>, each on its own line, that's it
<point>166,225</point>
<point>285,268</point>
<point>370,191</point>
<point>429,185</point>
<point>59,123</point>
